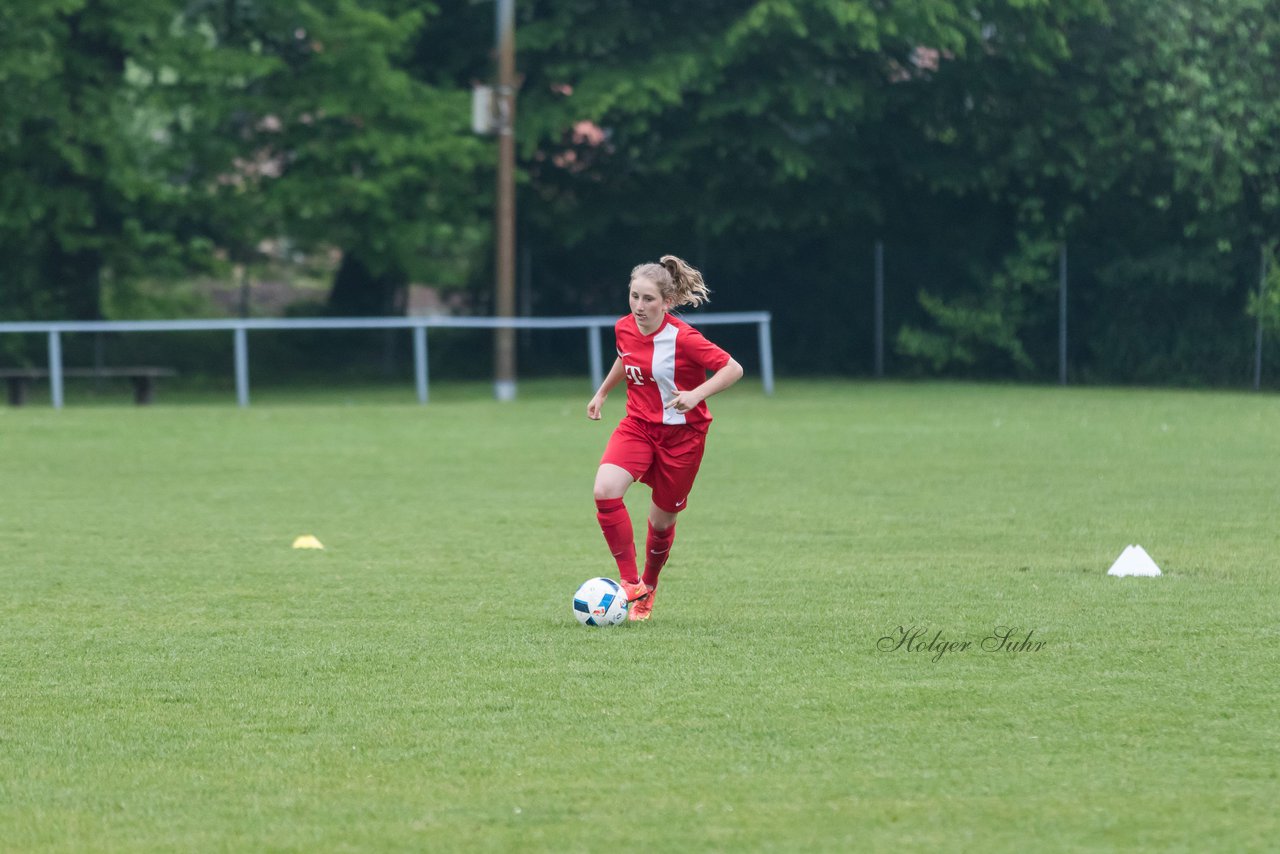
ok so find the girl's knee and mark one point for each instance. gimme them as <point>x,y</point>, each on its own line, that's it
<point>611,482</point>
<point>660,519</point>
<point>607,492</point>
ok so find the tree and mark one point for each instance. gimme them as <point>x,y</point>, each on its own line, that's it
<point>1215,76</point>
<point>1148,144</point>
<point>339,144</point>
<point>774,141</point>
<point>90,184</point>
<point>139,137</point>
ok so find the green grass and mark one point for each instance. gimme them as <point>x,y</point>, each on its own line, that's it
<point>173,676</point>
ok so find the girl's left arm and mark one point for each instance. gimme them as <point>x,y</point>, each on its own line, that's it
<point>716,383</point>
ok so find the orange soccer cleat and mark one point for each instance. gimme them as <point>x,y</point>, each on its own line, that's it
<point>636,592</point>
<point>641,609</point>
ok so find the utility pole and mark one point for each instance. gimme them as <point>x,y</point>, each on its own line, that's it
<point>504,345</point>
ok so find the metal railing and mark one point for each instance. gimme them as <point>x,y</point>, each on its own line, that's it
<point>240,329</point>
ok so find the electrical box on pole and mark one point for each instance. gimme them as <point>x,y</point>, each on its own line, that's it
<point>483,115</point>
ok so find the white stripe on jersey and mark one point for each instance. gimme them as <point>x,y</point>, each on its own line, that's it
<point>664,371</point>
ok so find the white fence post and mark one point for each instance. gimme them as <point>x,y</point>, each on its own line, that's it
<point>55,369</point>
<point>766,355</point>
<point>1257,338</point>
<point>420,361</point>
<point>879,308</point>
<point>1062,315</point>
<point>597,362</point>
<point>242,366</point>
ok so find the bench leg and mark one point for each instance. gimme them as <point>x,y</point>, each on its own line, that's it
<point>17,390</point>
<point>143,390</point>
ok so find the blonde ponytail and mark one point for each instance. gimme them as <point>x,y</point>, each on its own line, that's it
<point>676,280</point>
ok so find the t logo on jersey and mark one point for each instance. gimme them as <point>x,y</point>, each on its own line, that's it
<point>634,375</point>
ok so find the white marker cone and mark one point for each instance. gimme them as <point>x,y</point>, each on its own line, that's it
<point>1134,560</point>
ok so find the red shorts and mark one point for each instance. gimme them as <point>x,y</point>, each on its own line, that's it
<point>664,456</point>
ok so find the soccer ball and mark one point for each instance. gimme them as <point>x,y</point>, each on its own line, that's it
<point>600,602</point>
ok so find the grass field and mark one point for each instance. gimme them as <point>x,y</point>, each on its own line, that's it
<point>176,677</point>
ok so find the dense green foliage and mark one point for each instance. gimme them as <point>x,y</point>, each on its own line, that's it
<point>86,159</point>
<point>176,678</point>
<point>772,143</point>
<point>776,147</point>
<point>147,138</point>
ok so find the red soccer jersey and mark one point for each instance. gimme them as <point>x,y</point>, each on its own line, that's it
<point>675,357</point>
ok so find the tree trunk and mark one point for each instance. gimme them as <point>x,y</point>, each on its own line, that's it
<point>75,278</point>
<point>359,292</point>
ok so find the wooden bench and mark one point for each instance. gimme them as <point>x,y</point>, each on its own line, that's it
<point>143,379</point>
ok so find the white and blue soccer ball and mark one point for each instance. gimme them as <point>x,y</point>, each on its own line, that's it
<point>600,602</point>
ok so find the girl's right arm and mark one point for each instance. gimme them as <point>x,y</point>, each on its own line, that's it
<point>597,402</point>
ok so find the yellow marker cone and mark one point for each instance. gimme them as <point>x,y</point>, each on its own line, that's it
<point>306,541</point>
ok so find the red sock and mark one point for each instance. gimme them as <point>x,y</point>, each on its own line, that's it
<point>615,521</point>
<point>657,547</point>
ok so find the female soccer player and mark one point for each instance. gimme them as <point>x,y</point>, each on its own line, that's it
<point>660,440</point>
